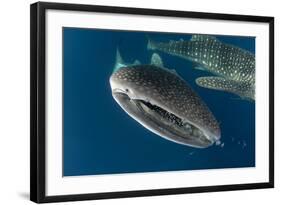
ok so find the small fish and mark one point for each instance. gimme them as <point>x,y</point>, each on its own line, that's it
<point>234,67</point>
<point>160,100</point>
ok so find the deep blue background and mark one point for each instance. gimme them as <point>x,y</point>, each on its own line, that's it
<point>100,138</point>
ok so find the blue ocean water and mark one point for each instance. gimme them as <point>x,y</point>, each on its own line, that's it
<point>100,138</point>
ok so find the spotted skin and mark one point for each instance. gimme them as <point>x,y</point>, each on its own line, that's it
<point>243,89</point>
<point>231,63</point>
<point>168,91</point>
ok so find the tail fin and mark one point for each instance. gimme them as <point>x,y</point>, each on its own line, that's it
<point>150,44</point>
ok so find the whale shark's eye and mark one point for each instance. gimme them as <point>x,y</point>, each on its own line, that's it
<point>127,90</point>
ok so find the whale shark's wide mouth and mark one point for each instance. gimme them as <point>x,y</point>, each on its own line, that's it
<point>163,122</point>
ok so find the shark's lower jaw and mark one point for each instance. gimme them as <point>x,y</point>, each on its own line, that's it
<point>163,122</point>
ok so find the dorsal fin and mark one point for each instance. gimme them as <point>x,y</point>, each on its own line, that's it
<point>118,57</point>
<point>136,62</point>
<point>174,71</point>
<point>156,60</point>
<point>118,61</point>
<point>203,37</point>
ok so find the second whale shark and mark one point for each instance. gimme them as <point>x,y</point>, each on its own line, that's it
<point>233,67</point>
<point>160,100</point>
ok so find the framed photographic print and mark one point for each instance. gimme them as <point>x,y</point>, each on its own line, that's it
<point>129,102</point>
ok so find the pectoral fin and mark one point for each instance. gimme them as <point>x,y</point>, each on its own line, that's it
<point>243,89</point>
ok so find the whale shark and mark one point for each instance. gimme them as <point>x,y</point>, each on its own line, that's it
<point>233,67</point>
<point>161,101</point>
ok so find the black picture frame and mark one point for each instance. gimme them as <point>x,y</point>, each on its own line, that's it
<point>38,104</point>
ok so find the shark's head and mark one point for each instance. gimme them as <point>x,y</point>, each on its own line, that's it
<point>163,102</point>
